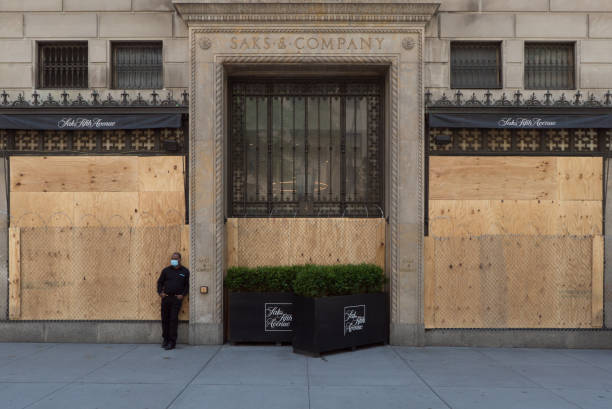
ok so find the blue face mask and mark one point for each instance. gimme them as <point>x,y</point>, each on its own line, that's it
<point>174,263</point>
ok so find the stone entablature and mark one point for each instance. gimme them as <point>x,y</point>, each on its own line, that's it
<point>297,10</point>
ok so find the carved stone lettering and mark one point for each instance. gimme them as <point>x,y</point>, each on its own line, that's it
<point>306,42</point>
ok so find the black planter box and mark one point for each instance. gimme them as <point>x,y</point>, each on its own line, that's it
<point>261,317</point>
<point>331,323</point>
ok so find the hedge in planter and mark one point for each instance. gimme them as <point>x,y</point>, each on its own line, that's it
<point>260,303</point>
<point>339,307</point>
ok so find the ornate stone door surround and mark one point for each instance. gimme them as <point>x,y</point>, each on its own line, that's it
<point>227,34</point>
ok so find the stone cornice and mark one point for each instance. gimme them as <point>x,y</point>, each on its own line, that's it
<point>272,11</point>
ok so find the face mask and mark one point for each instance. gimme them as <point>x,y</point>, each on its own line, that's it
<point>174,263</point>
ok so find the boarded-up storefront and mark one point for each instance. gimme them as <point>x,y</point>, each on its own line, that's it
<point>89,235</point>
<point>513,241</point>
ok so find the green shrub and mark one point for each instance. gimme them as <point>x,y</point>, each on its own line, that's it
<point>308,280</point>
<point>261,279</point>
<point>346,279</point>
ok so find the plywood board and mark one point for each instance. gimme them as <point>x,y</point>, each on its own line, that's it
<point>14,273</point>
<point>580,178</point>
<point>489,178</point>
<point>32,209</point>
<point>284,241</point>
<point>511,282</point>
<point>161,174</point>
<point>74,174</point>
<point>430,281</point>
<point>105,209</point>
<point>48,289</point>
<point>465,218</point>
<point>161,208</point>
<point>597,282</point>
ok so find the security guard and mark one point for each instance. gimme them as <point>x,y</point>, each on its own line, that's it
<point>172,287</point>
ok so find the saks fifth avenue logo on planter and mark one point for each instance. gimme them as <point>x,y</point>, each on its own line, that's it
<point>354,318</point>
<point>525,123</point>
<point>79,123</point>
<point>278,316</point>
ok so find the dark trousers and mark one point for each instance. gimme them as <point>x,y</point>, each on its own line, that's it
<point>170,307</point>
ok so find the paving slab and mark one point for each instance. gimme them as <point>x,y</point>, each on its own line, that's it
<point>17,395</point>
<point>368,397</point>
<point>368,367</point>
<point>245,365</point>
<point>62,362</point>
<point>503,398</point>
<point>110,396</point>
<point>152,364</point>
<point>242,397</point>
<point>577,376</point>
<point>526,357</point>
<point>587,398</point>
<point>11,351</point>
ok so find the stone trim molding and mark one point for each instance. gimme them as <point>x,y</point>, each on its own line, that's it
<point>194,11</point>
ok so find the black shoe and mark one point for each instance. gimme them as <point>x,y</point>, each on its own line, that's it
<point>164,344</point>
<point>169,347</point>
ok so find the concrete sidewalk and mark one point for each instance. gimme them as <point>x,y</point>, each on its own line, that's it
<point>84,376</point>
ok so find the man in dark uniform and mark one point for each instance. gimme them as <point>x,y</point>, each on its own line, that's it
<point>172,287</point>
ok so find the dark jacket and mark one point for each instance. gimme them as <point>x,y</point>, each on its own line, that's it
<point>173,281</point>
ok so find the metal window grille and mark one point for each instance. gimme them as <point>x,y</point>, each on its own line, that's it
<point>137,65</point>
<point>476,65</point>
<point>62,65</point>
<point>539,142</point>
<point>308,148</point>
<point>549,66</point>
<point>146,141</point>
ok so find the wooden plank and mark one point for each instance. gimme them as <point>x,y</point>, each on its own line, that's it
<point>490,178</point>
<point>160,209</point>
<point>465,218</point>
<point>32,209</point>
<point>74,174</point>
<point>114,209</point>
<point>14,273</point>
<point>597,282</point>
<point>430,282</point>
<point>161,174</point>
<point>580,178</point>
<point>232,242</point>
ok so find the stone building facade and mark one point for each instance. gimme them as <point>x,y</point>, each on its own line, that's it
<point>406,44</point>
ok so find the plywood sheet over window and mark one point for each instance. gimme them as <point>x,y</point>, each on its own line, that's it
<point>283,241</point>
<point>92,234</point>
<point>514,243</point>
<point>97,191</point>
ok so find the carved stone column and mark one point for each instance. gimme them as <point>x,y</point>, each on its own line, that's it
<point>226,35</point>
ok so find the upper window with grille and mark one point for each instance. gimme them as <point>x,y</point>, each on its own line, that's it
<point>137,65</point>
<point>549,66</point>
<point>62,64</point>
<point>476,65</point>
<point>310,148</point>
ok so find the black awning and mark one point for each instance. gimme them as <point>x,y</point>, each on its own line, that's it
<point>95,122</point>
<point>519,121</point>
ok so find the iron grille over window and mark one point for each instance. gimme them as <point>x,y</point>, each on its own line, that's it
<point>476,65</point>
<point>306,149</point>
<point>549,66</point>
<point>62,65</point>
<point>137,65</point>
